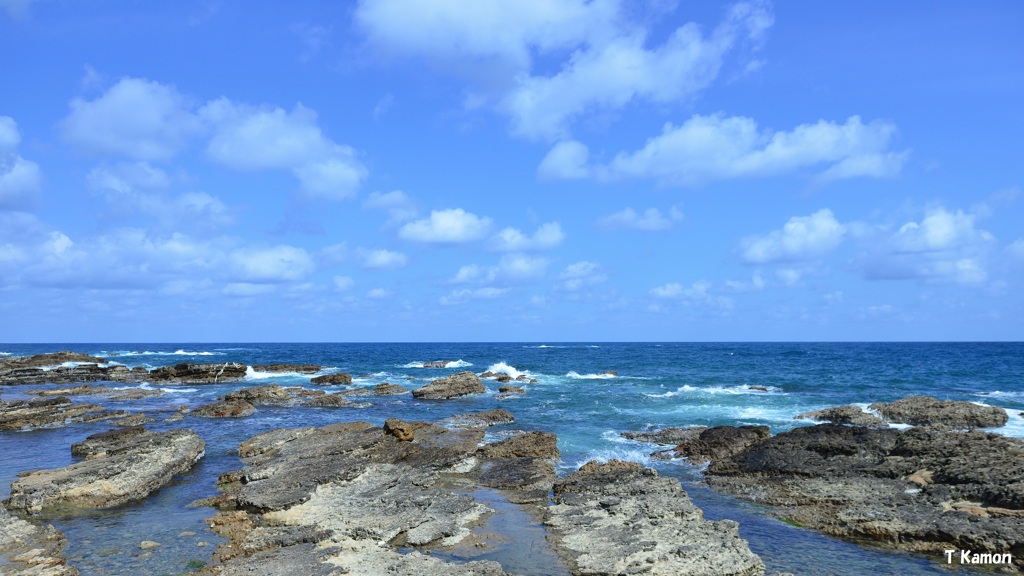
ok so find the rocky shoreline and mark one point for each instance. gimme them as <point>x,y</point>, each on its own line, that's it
<point>407,497</point>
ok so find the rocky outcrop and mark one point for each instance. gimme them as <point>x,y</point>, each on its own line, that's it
<point>116,394</point>
<point>666,436</point>
<point>461,384</point>
<point>920,489</point>
<point>225,409</point>
<point>332,379</point>
<point>50,413</point>
<point>852,415</point>
<point>189,373</point>
<point>276,395</point>
<point>522,466</point>
<point>64,368</point>
<point>387,389</point>
<point>720,442</point>
<point>341,500</point>
<point>622,518</point>
<point>30,550</point>
<point>481,419</point>
<point>925,410</point>
<point>119,466</point>
<point>281,367</point>
<point>437,364</point>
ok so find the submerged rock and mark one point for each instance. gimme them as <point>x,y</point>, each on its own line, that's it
<point>844,415</point>
<point>189,373</point>
<point>30,550</point>
<point>461,384</point>
<point>276,395</point>
<point>481,419</point>
<point>621,518</point>
<point>437,364</point>
<point>387,389</point>
<point>50,413</point>
<point>667,436</point>
<point>120,466</point>
<point>925,410</point>
<point>919,489</point>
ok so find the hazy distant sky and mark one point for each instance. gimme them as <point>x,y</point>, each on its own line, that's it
<point>462,170</point>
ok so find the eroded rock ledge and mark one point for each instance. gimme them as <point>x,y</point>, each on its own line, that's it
<point>345,498</point>
<point>30,550</point>
<point>119,466</point>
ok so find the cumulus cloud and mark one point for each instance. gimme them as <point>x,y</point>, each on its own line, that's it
<point>268,265</point>
<point>547,236</point>
<point>397,204</point>
<point>20,179</point>
<point>709,148</point>
<point>652,220</point>
<point>582,274</point>
<point>248,138</point>
<point>801,238</point>
<point>343,283</point>
<point>452,226</point>
<point>607,59</point>
<point>510,268</point>
<point>945,246</point>
<point>135,118</point>
<point>460,296</point>
<point>699,293</point>
<point>380,259</point>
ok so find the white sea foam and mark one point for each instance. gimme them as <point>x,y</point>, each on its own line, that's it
<point>503,368</point>
<point>629,454</point>
<point>251,374</point>
<point>179,352</point>
<point>1002,394</point>
<point>148,386</point>
<point>1014,425</point>
<point>5,354</point>
<point>687,390</point>
<point>449,364</point>
<point>577,376</point>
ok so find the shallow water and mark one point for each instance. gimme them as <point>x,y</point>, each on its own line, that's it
<point>656,385</point>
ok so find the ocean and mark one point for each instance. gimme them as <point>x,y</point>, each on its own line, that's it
<point>586,394</point>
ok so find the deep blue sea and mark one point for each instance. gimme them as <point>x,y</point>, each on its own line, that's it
<point>656,385</point>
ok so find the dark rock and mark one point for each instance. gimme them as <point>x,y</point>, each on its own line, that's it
<point>622,518</point>
<point>120,466</point>
<point>844,415</point>
<point>331,401</point>
<point>118,394</point>
<point>188,373</point>
<point>720,442</point>
<point>611,372</point>
<point>481,419</point>
<point>522,466</point>
<point>50,413</point>
<point>461,384</point>
<point>137,419</point>
<point>50,359</point>
<point>437,364</point>
<point>279,367</point>
<point>331,379</point>
<point>225,409</point>
<point>758,388</point>
<point>30,369</point>
<point>925,410</point>
<point>667,436</point>
<point>920,489</point>
<point>264,395</point>
<point>27,549</point>
<point>386,389</point>
<point>526,445</point>
<point>503,378</point>
<point>512,390</point>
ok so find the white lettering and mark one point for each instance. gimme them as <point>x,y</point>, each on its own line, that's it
<point>965,556</point>
<point>949,556</point>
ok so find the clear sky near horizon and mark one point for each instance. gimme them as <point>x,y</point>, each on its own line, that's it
<point>511,170</point>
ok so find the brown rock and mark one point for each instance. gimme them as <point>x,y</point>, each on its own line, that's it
<point>280,367</point>
<point>332,379</point>
<point>225,409</point>
<point>461,384</point>
<point>386,389</point>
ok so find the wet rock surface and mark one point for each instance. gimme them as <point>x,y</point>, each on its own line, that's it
<point>719,442</point>
<point>920,489</point>
<point>481,419</point>
<point>925,410</point>
<point>461,384</point>
<point>388,389</point>
<point>666,436</point>
<point>844,415</point>
<point>621,518</point>
<point>276,395</point>
<point>282,367</point>
<point>64,368</point>
<point>116,394</point>
<point>119,466</point>
<point>332,379</point>
<point>50,413</point>
<point>190,373</point>
<point>225,409</point>
<point>30,550</point>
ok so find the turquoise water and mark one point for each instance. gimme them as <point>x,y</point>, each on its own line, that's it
<point>657,385</point>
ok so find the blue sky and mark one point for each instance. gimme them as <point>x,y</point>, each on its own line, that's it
<point>455,170</point>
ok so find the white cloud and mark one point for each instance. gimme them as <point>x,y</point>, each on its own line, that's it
<point>380,259</point>
<point>671,290</point>
<point>343,283</point>
<point>582,274</point>
<point>399,206</point>
<point>249,138</point>
<point>278,264</point>
<point>945,246</point>
<point>20,179</point>
<point>521,267</point>
<point>379,294</point>
<point>547,236</point>
<point>135,118</point>
<point>460,296</point>
<point>802,238</point>
<point>1016,249</point>
<point>247,289</point>
<point>709,148</point>
<point>699,293</point>
<point>604,52</point>
<point>452,226</point>
<point>652,220</point>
